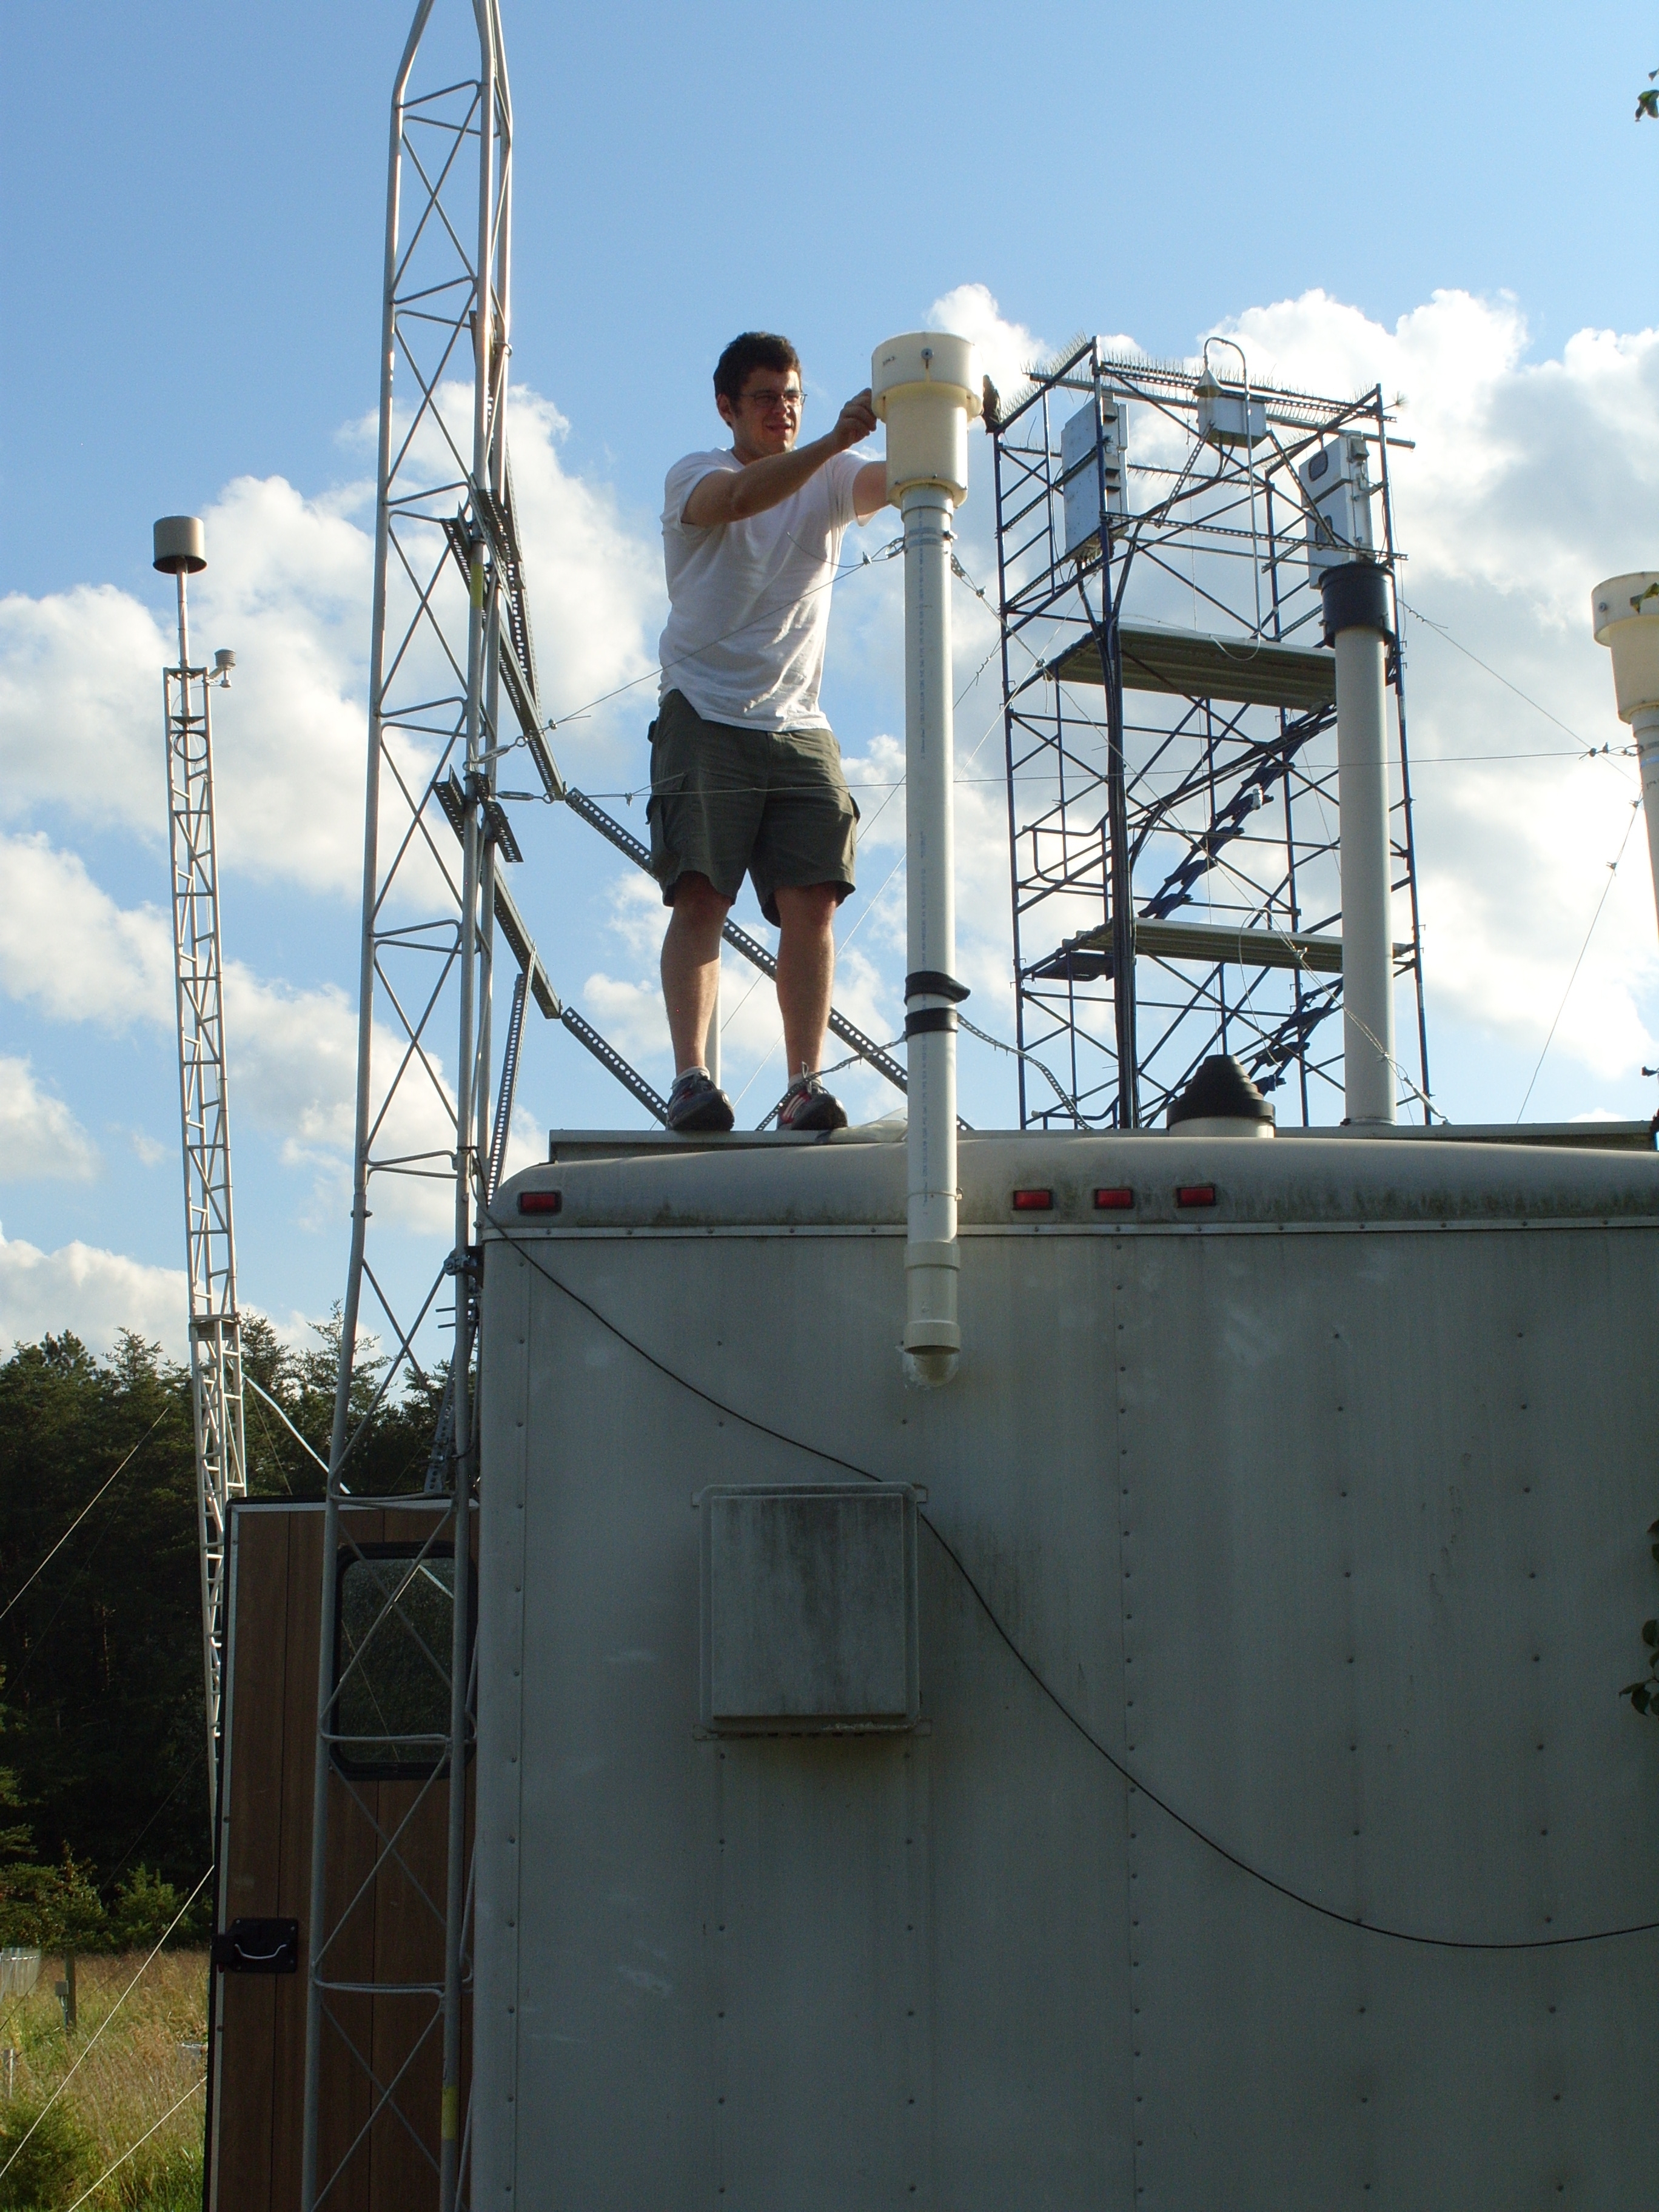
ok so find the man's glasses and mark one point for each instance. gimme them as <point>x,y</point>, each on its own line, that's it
<point>766,401</point>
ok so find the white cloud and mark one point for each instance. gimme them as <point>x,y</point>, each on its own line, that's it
<point>288,588</point>
<point>1531,479</point>
<point>1007,350</point>
<point>595,586</point>
<point>1508,908</point>
<point>876,778</point>
<point>81,713</point>
<point>81,706</point>
<point>628,1012</point>
<point>292,1058</point>
<point>93,1292</point>
<point>1529,482</point>
<point>67,947</point>
<point>292,1052</point>
<point>38,1135</point>
<point>638,916</point>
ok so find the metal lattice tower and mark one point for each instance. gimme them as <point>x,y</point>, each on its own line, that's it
<point>1169,714</point>
<point>215,1330</point>
<point>450,636</point>
<point>453,686</point>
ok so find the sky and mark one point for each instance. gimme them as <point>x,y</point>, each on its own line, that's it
<point>191,261</point>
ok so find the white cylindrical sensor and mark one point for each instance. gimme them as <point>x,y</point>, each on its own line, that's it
<point>1626,613</point>
<point>180,545</point>
<point>926,388</point>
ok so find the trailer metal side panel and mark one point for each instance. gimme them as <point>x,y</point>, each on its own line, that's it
<point>1322,1516</point>
<point>1376,1626</point>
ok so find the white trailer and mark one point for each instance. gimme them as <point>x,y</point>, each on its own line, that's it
<point>1268,1830</point>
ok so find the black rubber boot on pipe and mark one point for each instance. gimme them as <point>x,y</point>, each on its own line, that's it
<point>1356,597</point>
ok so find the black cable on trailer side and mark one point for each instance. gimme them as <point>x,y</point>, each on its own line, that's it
<point>1133,1780</point>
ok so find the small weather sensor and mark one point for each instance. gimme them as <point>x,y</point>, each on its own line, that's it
<point>1093,445</point>
<point>1227,415</point>
<point>1337,486</point>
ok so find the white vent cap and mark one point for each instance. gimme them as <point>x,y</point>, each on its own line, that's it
<point>926,385</point>
<point>1625,613</point>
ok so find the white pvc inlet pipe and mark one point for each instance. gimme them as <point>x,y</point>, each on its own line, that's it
<point>1361,780</point>
<point>926,388</point>
<point>933,1338</point>
<point>1644,724</point>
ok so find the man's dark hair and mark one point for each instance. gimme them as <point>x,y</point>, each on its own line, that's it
<point>754,349</point>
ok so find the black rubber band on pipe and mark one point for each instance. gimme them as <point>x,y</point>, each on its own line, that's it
<point>933,983</point>
<point>929,1019</point>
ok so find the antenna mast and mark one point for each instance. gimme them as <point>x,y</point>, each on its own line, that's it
<point>450,636</point>
<point>452,687</point>
<point>216,1328</point>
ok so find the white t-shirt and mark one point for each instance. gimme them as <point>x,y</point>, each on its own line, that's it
<point>749,602</point>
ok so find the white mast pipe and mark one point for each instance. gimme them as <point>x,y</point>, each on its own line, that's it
<point>1356,620</point>
<point>926,387</point>
<point>932,1337</point>
<point>1362,782</point>
<point>1644,726</point>
<point>1626,614</point>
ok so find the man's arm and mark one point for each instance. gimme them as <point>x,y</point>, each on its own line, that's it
<point>870,489</point>
<point>733,494</point>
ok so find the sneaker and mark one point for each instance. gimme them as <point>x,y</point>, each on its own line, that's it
<point>808,1105</point>
<point>696,1103</point>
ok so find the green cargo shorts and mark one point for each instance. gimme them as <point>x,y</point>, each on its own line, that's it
<point>724,799</point>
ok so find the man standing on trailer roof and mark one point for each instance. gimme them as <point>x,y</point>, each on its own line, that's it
<point>745,772</point>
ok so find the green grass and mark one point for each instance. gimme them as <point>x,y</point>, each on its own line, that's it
<point>120,2091</point>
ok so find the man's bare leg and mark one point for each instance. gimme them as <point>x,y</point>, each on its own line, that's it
<point>806,972</point>
<point>691,967</point>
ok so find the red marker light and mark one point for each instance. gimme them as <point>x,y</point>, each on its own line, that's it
<point>1113,1201</point>
<point>541,1201</point>
<point>1195,1194</point>
<point>1034,1202</point>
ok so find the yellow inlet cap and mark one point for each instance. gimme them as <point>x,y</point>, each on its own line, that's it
<point>926,386</point>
